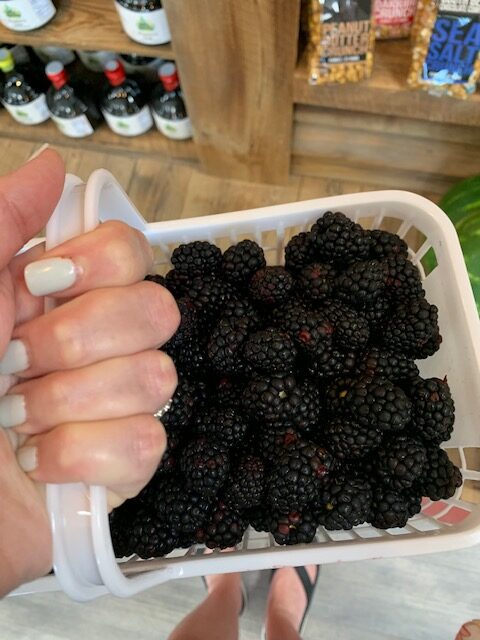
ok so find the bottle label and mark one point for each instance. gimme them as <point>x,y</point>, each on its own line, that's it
<point>394,12</point>
<point>147,27</point>
<point>454,43</point>
<point>78,127</point>
<point>133,125</point>
<point>176,129</point>
<point>346,31</point>
<point>34,112</point>
<point>23,15</point>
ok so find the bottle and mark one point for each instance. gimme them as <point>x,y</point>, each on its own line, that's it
<point>70,106</point>
<point>19,52</point>
<point>124,103</point>
<point>95,60</point>
<point>168,106</point>
<point>25,15</point>
<point>146,67</point>
<point>49,54</point>
<point>144,21</point>
<point>23,92</point>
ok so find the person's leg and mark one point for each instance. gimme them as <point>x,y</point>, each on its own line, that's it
<point>286,604</point>
<point>216,618</point>
<point>470,630</point>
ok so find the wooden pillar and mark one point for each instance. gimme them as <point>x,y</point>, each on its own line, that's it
<point>236,60</point>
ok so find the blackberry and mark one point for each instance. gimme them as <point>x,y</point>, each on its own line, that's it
<point>185,511</point>
<point>431,346</point>
<point>177,283</point>
<point>331,364</point>
<point>414,501</point>
<point>168,464</point>
<point>224,425</point>
<point>273,443</point>
<point>389,508</point>
<point>377,313</point>
<point>197,258</point>
<point>340,240</point>
<point>187,333</point>
<point>240,261</point>
<point>372,402</point>
<point>433,410</point>
<point>284,315</point>
<point>227,392</point>
<point>299,252</point>
<point>441,478</point>
<point>292,527</point>
<point>351,330</point>
<point>225,347</point>
<point>209,295</point>
<point>271,286</point>
<point>120,520</point>
<point>281,402</point>
<point>410,327</point>
<point>270,351</point>
<point>297,476</point>
<point>157,278</point>
<point>247,484</point>
<point>361,283</point>
<point>400,462</point>
<point>259,518</point>
<point>150,537</point>
<point>205,466</point>
<point>311,331</point>
<point>224,529</point>
<point>394,366</point>
<point>347,440</point>
<point>316,281</point>
<point>403,279</point>
<point>343,503</point>
<point>192,363</point>
<point>183,404</point>
<point>383,244</point>
<point>241,309</point>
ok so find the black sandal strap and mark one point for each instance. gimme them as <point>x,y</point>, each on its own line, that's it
<point>309,588</point>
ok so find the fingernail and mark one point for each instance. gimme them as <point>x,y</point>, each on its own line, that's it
<point>12,411</point>
<point>15,358</point>
<point>36,153</point>
<point>49,276</point>
<point>27,458</point>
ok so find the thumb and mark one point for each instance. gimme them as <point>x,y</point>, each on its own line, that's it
<point>28,197</point>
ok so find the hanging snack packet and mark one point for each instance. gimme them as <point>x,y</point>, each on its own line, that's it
<point>340,40</point>
<point>446,51</point>
<point>394,18</point>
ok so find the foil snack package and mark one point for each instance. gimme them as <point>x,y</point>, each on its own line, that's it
<point>446,50</point>
<point>394,18</point>
<point>341,39</point>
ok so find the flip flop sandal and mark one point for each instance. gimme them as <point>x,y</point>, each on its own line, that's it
<point>309,588</point>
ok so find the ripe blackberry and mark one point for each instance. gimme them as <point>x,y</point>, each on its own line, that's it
<point>270,351</point>
<point>297,476</point>
<point>169,462</point>
<point>273,443</point>
<point>292,527</point>
<point>240,261</point>
<point>224,425</point>
<point>316,281</point>
<point>351,330</point>
<point>400,462</point>
<point>247,486</point>
<point>259,518</point>
<point>347,440</point>
<point>157,278</point>
<point>414,501</point>
<point>224,529</point>
<point>241,309</point>
<point>340,240</point>
<point>433,410</point>
<point>197,258</point>
<point>431,346</point>
<point>386,364</point>
<point>226,392</point>
<point>192,362</point>
<point>209,295</point>
<point>389,508</point>
<point>403,279</point>
<point>184,510</point>
<point>377,313</point>
<point>370,401</point>
<point>225,347</point>
<point>343,503</point>
<point>331,364</point>
<point>311,331</point>
<point>410,327</point>
<point>271,286</point>
<point>441,478</point>
<point>149,536</point>
<point>383,244</point>
<point>183,404</point>
<point>188,330</point>
<point>177,283</point>
<point>205,466</point>
<point>284,314</point>
<point>299,252</point>
<point>361,283</point>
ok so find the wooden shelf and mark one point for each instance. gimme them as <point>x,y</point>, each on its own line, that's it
<point>386,93</point>
<point>85,25</point>
<point>151,143</point>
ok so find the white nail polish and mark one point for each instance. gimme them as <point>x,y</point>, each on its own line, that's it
<point>27,458</point>
<point>36,153</point>
<point>12,411</point>
<point>49,276</point>
<point>15,358</point>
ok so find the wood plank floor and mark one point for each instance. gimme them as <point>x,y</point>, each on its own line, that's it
<point>424,598</point>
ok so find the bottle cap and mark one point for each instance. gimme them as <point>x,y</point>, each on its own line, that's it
<point>169,76</point>
<point>56,73</point>
<point>7,63</point>
<point>115,72</point>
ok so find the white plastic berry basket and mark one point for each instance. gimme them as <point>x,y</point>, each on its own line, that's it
<point>84,562</point>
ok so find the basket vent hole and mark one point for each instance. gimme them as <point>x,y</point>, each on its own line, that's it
<point>472,456</point>
<point>455,515</point>
<point>390,224</point>
<point>429,261</point>
<point>424,524</point>
<point>414,238</point>
<point>471,491</point>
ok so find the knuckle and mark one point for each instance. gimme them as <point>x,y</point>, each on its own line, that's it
<point>161,310</point>
<point>58,391</point>
<point>122,252</point>
<point>69,340</point>
<point>68,444</point>
<point>159,376</point>
<point>148,443</point>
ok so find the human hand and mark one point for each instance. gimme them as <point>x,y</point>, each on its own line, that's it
<point>81,382</point>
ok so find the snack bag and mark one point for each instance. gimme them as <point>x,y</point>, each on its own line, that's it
<point>340,40</point>
<point>394,18</point>
<point>446,51</point>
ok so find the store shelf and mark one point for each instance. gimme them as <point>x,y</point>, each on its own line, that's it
<point>88,25</point>
<point>386,93</point>
<point>151,143</point>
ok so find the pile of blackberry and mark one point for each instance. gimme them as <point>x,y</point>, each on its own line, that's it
<point>300,402</point>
